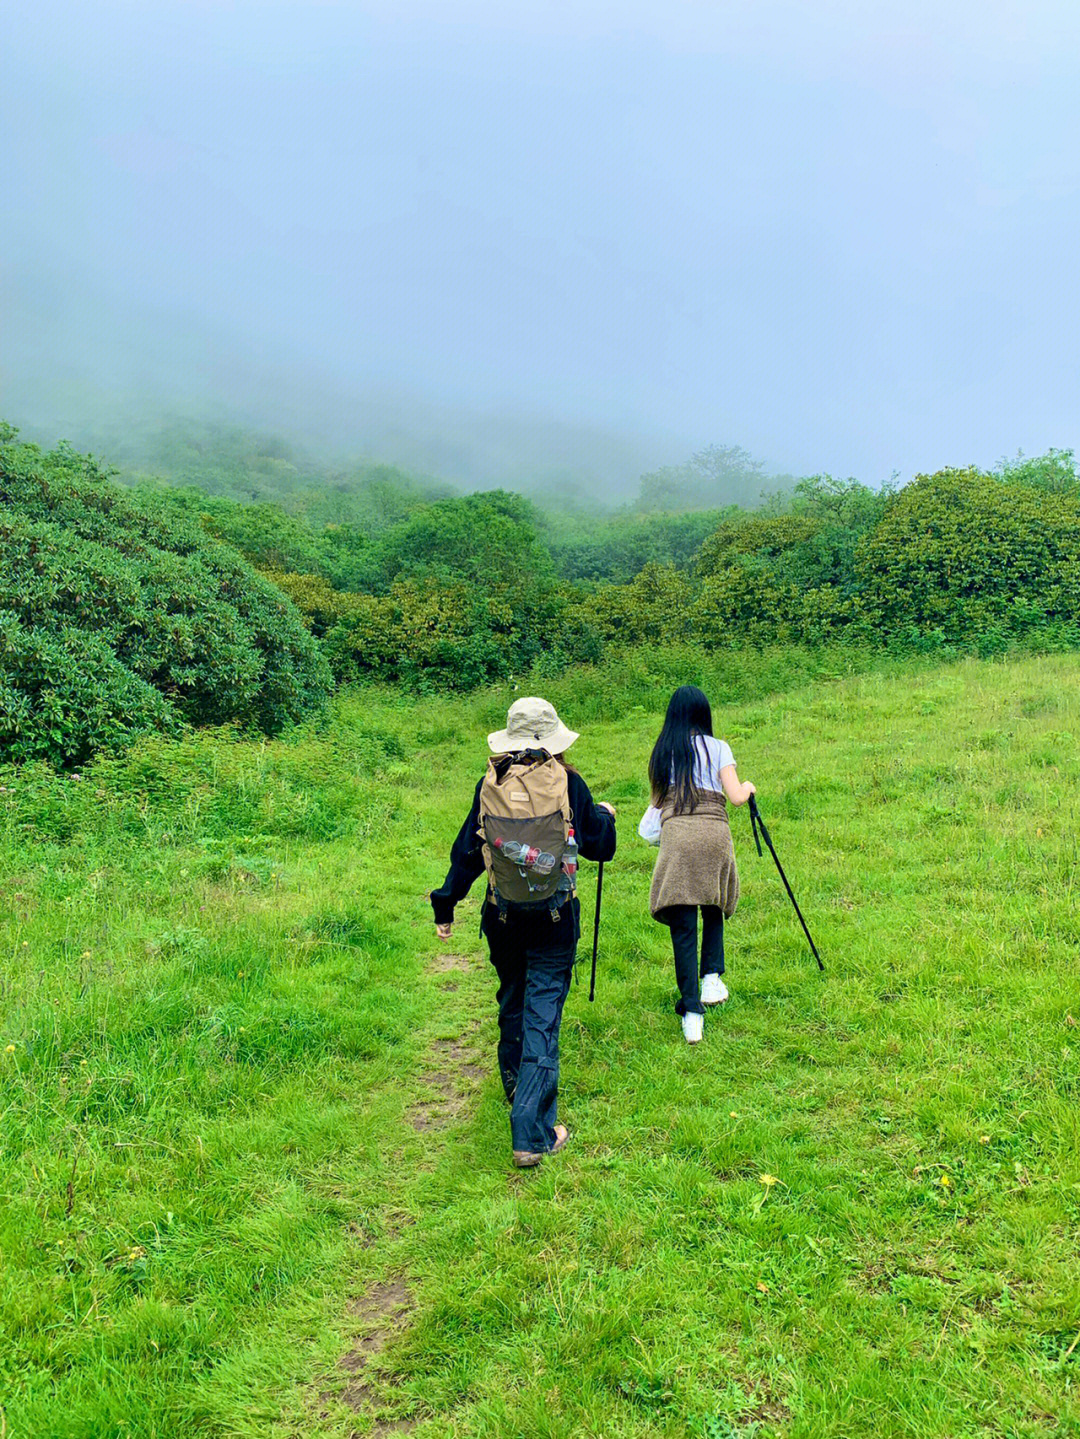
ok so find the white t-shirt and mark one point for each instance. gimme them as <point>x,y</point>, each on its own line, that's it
<point>711,756</point>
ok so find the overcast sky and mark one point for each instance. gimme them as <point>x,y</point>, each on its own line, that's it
<point>841,234</point>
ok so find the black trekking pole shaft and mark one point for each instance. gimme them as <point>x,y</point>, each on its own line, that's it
<point>757,824</point>
<point>596,930</point>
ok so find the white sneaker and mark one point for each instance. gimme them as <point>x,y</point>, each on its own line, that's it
<point>713,990</point>
<point>693,1027</point>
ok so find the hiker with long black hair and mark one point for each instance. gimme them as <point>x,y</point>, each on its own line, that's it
<point>692,776</point>
<point>532,814</point>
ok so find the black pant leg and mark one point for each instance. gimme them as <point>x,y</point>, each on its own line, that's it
<point>682,919</point>
<point>509,958</point>
<point>550,964</point>
<point>712,940</point>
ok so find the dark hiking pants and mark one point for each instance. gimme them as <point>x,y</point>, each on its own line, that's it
<point>683,919</point>
<point>534,959</point>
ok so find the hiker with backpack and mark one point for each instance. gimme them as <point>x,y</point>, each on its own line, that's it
<point>532,815</point>
<point>692,776</point>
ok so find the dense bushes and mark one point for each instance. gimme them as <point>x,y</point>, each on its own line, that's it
<point>122,613</point>
<point>962,553</point>
<point>614,549</point>
<point>120,616</point>
<point>465,592</point>
<point>461,593</point>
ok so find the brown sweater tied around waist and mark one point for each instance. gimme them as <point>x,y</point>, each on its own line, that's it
<point>696,864</point>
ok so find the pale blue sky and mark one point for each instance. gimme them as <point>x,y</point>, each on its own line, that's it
<point>840,234</point>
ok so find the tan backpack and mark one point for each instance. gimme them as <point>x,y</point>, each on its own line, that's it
<point>525,821</point>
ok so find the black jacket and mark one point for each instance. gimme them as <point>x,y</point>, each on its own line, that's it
<point>594,830</point>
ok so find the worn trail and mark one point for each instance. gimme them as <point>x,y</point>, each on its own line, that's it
<point>366,1375</point>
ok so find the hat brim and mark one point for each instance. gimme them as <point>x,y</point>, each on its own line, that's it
<point>560,740</point>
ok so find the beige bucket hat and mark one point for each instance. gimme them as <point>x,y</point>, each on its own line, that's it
<point>532,724</point>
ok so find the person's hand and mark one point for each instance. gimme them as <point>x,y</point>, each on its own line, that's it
<point>750,789</point>
<point>444,931</point>
<point>603,804</point>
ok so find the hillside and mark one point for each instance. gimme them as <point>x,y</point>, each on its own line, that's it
<point>254,1146</point>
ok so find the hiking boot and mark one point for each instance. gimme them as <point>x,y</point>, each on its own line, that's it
<point>693,1027</point>
<point>713,990</point>
<point>529,1159</point>
<point>562,1134</point>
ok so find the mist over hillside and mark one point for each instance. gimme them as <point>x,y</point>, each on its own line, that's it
<point>112,377</point>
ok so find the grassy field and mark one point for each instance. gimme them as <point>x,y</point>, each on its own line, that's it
<point>254,1170</point>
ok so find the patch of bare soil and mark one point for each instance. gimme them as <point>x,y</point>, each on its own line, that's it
<point>449,964</point>
<point>448,1082</point>
<point>384,1309</point>
<point>369,1234</point>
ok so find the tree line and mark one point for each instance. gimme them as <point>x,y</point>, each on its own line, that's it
<point>123,610</point>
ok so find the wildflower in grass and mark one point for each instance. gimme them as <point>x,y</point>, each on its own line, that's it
<point>945,1182</point>
<point>984,1139</point>
<point>9,1049</point>
<point>733,1115</point>
<point>767,1180</point>
<point>763,1288</point>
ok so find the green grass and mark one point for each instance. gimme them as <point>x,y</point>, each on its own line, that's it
<point>218,989</point>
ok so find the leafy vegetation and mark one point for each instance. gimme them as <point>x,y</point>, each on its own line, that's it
<point>454,592</point>
<point>961,553</point>
<point>242,1096</point>
<point>117,617</point>
<point>233,463</point>
<point>717,475</point>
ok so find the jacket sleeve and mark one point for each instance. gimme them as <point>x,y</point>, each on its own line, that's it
<point>594,828</point>
<point>466,865</point>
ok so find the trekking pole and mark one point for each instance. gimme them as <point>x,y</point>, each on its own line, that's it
<point>758,824</point>
<point>596,930</point>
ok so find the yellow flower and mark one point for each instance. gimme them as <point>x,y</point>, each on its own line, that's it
<point>9,1049</point>
<point>945,1182</point>
<point>769,1180</point>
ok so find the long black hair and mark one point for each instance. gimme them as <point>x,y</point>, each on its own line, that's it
<point>671,764</point>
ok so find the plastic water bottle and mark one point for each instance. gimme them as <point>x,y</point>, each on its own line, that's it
<point>570,853</point>
<point>526,856</point>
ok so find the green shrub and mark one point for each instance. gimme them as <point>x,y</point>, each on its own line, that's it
<point>965,554</point>
<point>655,607</point>
<point>64,694</point>
<point>615,550</point>
<point>489,539</point>
<point>760,537</point>
<point>150,602</point>
<point>1055,471</point>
